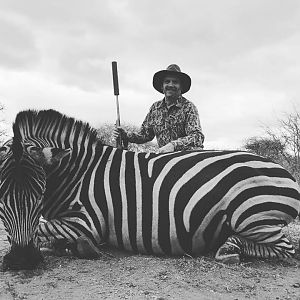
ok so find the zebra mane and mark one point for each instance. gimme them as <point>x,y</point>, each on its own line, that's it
<point>49,127</point>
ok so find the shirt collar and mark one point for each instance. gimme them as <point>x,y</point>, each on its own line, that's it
<point>178,102</point>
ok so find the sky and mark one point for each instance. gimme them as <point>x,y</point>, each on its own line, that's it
<point>243,57</point>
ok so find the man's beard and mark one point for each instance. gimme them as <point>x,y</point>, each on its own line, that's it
<point>176,93</point>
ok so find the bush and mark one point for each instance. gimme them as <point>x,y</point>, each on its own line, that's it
<point>105,134</point>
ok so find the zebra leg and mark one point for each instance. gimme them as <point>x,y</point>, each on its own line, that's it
<point>262,242</point>
<point>69,234</point>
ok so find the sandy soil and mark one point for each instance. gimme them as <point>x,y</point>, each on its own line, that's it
<point>124,276</point>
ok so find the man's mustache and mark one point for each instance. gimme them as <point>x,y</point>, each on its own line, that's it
<point>171,88</point>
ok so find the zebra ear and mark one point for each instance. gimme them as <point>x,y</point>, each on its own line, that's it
<point>4,151</point>
<point>52,155</point>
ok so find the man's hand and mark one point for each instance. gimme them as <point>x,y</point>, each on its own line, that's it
<point>166,148</point>
<point>119,131</point>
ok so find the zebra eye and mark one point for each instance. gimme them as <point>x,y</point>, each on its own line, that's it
<point>33,148</point>
<point>3,152</point>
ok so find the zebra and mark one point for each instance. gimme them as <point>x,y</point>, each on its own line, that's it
<point>86,194</point>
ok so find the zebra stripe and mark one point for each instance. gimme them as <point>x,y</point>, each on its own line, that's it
<point>139,211</point>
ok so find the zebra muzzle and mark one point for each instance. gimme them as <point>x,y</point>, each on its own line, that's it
<point>22,258</point>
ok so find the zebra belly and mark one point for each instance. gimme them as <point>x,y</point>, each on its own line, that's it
<point>162,239</point>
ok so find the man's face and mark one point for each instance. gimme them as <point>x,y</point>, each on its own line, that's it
<point>171,87</point>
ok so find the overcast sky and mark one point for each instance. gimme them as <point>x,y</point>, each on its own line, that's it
<point>242,56</point>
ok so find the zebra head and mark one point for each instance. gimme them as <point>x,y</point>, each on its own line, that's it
<point>22,185</point>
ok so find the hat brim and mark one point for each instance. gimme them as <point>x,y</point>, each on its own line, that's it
<point>158,78</point>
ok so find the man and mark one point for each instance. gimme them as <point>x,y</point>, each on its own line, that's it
<point>174,120</point>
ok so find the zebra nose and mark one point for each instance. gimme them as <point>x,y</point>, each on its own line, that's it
<point>22,258</point>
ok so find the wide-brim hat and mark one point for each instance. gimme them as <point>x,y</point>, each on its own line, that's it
<point>172,70</point>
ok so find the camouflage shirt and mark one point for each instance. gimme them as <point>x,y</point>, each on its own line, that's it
<point>178,124</point>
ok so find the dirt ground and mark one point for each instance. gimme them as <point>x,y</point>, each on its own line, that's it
<point>121,275</point>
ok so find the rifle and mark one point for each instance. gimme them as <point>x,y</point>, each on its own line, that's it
<point>119,141</point>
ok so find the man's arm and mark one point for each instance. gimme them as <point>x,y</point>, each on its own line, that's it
<point>194,136</point>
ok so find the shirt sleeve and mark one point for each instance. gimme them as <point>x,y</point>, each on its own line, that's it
<point>146,132</point>
<point>194,137</point>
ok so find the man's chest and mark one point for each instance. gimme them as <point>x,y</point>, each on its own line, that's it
<point>172,116</point>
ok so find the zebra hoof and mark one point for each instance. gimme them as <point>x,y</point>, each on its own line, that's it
<point>86,249</point>
<point>230,259</point>
<point>228,254</point>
